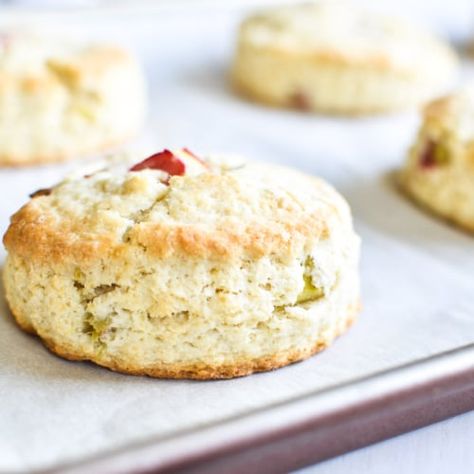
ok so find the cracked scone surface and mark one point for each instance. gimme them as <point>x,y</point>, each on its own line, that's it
<point>439,171</point>
<point>209,275</point>
<point>331,56</point>
<point>60,99</point>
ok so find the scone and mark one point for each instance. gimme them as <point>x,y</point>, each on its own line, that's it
<point>439,172</point>
<point>60,100</point>
<point>184,267</point>
<point>331,56</point>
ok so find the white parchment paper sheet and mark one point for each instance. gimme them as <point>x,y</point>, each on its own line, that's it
<point>418,273</point>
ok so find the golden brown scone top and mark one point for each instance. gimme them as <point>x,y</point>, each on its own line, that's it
<point>211,211</point>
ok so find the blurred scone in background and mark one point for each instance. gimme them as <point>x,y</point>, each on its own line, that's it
<point>333,56</point>
<point>61,98</point>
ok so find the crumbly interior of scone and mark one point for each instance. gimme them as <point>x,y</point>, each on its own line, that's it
<point>200,303</point>
<point>439,172</point>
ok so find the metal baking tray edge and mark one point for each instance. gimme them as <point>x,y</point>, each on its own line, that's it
<point>309,428</point>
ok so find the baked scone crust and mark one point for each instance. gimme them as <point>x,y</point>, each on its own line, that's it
<point>206,371</point>
<point>60,101</point>
<point>439,170</point>
<point>332,57</point>
<point>211,275</point>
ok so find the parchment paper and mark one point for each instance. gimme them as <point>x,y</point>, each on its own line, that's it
<point>417,272</point>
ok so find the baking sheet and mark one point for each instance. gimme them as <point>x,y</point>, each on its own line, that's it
<point>417,273</point>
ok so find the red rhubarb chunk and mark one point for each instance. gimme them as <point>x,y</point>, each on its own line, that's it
<point>427,156</point>
<point>164,161</point>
